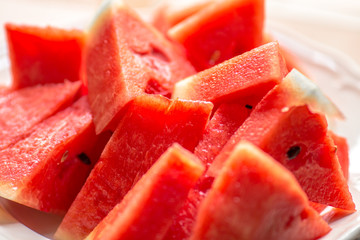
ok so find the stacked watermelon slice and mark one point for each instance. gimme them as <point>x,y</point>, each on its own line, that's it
<point>188,130</point>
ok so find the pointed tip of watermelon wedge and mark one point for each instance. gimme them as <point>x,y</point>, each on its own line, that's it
<point>102,12</point>
<point>306,91</point>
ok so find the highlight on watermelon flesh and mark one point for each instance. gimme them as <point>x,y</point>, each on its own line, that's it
<point>254,197</point>
<point>22,109</point>
<point>40,55</point>
<point>43,170</point>
<point>288,125</point>
<point>220,31</point>
<point>252,73</point>
<point>150,125</point>
<point>147,210</point>
<point>139,60</point>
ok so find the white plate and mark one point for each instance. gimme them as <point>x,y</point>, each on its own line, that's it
<point>337,75</point>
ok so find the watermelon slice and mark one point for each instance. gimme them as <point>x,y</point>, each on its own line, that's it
<point>252,73</point>
<point>22,109</point>
<point>43,55</point>
<point>254,197</point>
<point>146,211</point>
<point>151,125</point>
<point>220,31</point>
<point>288,125</point>
<point>138,60</point>
<point>342,152</point>
<point>43,171</point>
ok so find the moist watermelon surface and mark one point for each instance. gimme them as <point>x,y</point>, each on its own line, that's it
<point>21,110</point>
<point>147,210</point>
<point>150,125</point>
<point>254,197</point>
<point>253,73</point>
<point>44,170</point>
<point>139,60</point>
<point>220,31</point>
<point>40,55</point>
<point>285,125</point>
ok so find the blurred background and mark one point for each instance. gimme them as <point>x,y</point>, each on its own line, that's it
<point>334,23</point>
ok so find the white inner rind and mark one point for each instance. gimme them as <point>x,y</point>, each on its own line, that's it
<point>307,92</point>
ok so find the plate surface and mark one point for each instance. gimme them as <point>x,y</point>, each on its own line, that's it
<point>337,75</point>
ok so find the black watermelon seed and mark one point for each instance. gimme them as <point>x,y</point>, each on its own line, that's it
<point>248,106</point>
<point>293,152</point>
<point>84,158</point>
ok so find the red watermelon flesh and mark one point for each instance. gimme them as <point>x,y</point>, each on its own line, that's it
<point>224,123</point>
<point>138,60</point>
<point>226,120</point>
<point>220,31</point>
<point>342,152</point>
<point>147,209</point>
<point>252,73</point>
<point>317,206</point>
<point>46,170</point>
<point>40,55</point>
<point>284,127</point>
<point>184,221</point>
<point>21,110</point>
<point>254,197</point>
<point>150,125</point>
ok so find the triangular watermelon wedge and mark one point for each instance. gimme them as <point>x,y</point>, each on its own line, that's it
<point>40,55</point>
<point>288,125</point>
<point>138,60</point>
<point>254,197</point>
<point>220,31</point>
<point>150,125</point>
<point>253,73</point>
<point>147,210</point>
<point>47,169</point>
<point>21,110</point>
